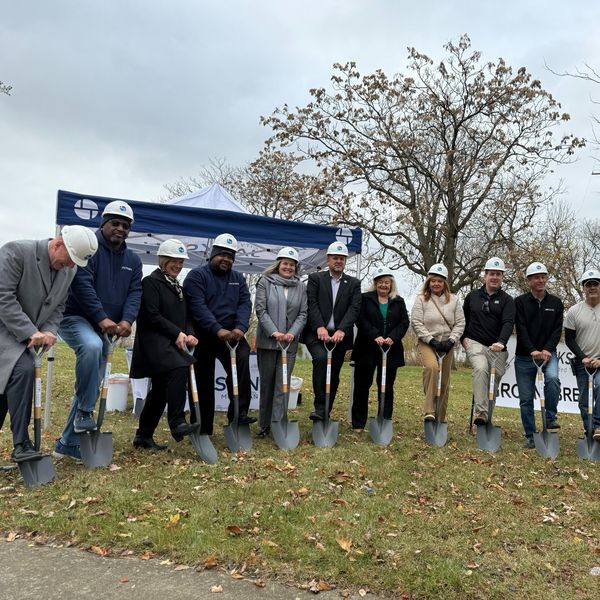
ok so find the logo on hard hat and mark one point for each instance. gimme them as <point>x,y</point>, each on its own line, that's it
<point>538,267</point>
<point>86,209</point>
<point>181,250</point>
<point>344,235</point>
<point>496,263</point>
<point>290,253</point>
<point>122,208</point>
<point>229,241</point>
<point>590,273</point>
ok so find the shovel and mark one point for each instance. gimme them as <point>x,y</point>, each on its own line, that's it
<point>380,429</point>
<point>237,435</point>
<point>489,435</point>
<point>39,470</point>
<point>588,448</point>
<point>285,433</point>
<point>436,433</point>
<point>96,446</point>
<point>325,432</point>
<point>200,441</point>
<point>546,442</point>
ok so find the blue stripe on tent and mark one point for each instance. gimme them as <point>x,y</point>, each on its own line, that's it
<point>167,219</point>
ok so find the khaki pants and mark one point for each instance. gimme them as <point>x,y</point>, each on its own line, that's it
<point>430,377</point>
<point>481,359</point>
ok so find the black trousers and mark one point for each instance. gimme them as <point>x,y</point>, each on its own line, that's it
<point>363,379</point>
<point>17,398</point>
<point>319,361</point>
<point>207,350</point>
<point>168,389</point>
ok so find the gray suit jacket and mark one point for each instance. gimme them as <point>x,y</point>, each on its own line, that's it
<point>28,301</point>
<point>271,306</point>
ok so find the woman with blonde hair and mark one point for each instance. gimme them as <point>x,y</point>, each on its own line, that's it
<point>280,307</point>
<point>438,320</point>
<point>383,322</point>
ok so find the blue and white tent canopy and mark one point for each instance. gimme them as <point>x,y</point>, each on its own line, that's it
<point>260,237</point>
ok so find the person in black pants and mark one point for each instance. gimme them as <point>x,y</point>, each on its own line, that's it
<point>160,348</point>
<point>220,307</point>
<point>333,306</point>
<point>383,321</point>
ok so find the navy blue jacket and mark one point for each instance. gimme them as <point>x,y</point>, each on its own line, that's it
<point>217,300</point>
<point>110,286</point>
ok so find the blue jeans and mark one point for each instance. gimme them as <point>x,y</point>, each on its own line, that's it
<point>526,372</point>
<point>90,352</point>
<point>582,384</point>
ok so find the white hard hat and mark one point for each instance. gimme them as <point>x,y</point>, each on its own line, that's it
<point>172,248</point>
<point>337,248</point>
<point>288,252</point>
<point>118,208</point>
<point>226,240</point>
<point>80,242</point>
<point>494,264</point>
<point>438,269</point>
<point>382,271</point>
<point>536,268</point>
<point>590,274</point>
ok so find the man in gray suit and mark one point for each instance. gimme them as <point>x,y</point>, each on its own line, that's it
<point>333,306</point>
<point>36,275</point>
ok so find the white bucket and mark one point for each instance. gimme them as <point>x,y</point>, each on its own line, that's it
<point>295,387</point>
<point>118,390</point>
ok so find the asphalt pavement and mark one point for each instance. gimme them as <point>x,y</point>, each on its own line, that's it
<point>50,572</point>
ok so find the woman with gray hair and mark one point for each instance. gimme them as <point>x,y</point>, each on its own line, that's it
<point>280,307</point>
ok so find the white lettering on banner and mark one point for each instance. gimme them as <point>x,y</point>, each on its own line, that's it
<point>508,392</point>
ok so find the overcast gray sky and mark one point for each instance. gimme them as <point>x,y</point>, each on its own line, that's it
<point>118,97</point>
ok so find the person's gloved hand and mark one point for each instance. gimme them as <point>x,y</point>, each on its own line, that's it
<point>447,346</point>
<point>435,344</point>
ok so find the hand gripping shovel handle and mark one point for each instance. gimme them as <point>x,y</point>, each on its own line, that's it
<point>112,342</point>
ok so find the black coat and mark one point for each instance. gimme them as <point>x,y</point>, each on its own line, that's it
<point>162,317</point>
<point>320,298</point>
<point>370,325</point>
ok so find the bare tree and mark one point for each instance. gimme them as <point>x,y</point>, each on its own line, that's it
<point>442,165</point>
<point>5,88</point>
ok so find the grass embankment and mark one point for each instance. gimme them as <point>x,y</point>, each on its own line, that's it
<point>407,519</point>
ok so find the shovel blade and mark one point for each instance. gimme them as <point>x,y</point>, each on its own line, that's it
<point>204,447</point>
<point>38,471</point>
<point>588,449</point>
<point>547,444</point>
<point>381,430</point>
<point>436,433</point>
<point>96,449</point>
<point>238,437</point>
<point>489,437</point>
<point>286,434</point>
<point>325,433</point>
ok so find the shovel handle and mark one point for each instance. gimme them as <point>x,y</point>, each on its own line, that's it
<point>492,383</point>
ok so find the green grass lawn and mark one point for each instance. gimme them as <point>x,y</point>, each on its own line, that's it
<point>407,520</point>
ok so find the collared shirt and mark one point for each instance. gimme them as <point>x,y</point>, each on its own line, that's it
<point>335,286</point>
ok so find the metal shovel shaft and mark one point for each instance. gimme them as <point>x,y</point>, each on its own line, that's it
<point>381,430</point>
<point>237,436</point>
<point>489,436</point>
<point>589,448</point>
<point>436,433</point>
<point>325,432</point>
<point>285,433</point>
<point>201,443</point>
<point>546,443</point>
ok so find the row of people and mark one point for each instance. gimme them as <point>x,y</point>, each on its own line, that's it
<point>213,305</point>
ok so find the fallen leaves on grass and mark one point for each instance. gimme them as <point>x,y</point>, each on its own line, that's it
<point>100,551</point>
<point>234,530</point>
<point>216,589</point>
<point>210,562</point>
<point>12,536</point>
<point>124,579</point>
<point>344,544</point>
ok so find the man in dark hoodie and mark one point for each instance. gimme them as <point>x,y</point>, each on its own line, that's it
<point>220,305</point>
<point>104,299</point>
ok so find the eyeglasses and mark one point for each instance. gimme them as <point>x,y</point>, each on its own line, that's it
<point>591,284</point>
<point>486,307</point>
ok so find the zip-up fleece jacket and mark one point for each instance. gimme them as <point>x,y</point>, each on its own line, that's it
<point>539,323</point>
<point>217,300</point>
<point>110,286</point>
<point>492,325</point>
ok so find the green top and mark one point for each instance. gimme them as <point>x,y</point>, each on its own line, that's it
<point>384,309</point>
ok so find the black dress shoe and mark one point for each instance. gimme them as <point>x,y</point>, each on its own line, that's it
<point>24,452</point>
<point>147,443</point>
<point>246,420</point>
<point>183,429</point>
<point>263,432</point>
<point>315,416</point>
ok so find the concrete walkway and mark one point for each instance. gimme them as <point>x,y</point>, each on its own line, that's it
<point>29,571</point>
